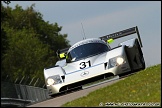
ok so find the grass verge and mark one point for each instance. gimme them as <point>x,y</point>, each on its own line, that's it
<point>142,88</point>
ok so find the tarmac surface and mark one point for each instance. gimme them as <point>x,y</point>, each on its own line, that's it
<point>60,100</point>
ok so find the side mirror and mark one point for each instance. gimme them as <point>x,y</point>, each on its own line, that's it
<point>62,55</point>
<point>109,41</point>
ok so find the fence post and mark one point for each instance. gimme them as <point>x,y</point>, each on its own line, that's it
<point>6,77</point>
<point>36,81</point>
<point>31,80</point>
<point>16,80</point>
<point>26,80</point>
<point>21,80</point>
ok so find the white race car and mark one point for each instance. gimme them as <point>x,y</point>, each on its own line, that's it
<point>94,58</point>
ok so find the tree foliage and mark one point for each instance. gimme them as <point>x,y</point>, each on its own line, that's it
<point>29,44</point>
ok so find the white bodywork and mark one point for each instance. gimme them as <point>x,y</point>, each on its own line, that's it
<point>93,57</point>
<point>72,73</point>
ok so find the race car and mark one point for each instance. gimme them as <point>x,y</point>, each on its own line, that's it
<point>91,59</point>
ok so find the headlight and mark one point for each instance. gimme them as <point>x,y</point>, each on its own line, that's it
<point>54,80</point>
<point>120,60</point>
<point>115,61</point>
<point>50,81</point>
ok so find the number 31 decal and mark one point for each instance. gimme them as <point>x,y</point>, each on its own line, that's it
<point>84,64</point>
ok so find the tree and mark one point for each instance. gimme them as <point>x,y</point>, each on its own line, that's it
<point>26,54</point>
<point>4,17</point>
<point>31,42</point>
<point>7,2</point>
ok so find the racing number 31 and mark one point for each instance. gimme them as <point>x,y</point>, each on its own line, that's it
<point>84,64</point>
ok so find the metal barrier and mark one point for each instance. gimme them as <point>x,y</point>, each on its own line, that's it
<point>14,102</point>
<point>23,93</point>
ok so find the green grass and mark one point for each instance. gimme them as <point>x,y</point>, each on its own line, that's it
<point>143,86</point>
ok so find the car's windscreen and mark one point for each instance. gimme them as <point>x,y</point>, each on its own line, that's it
<point>86,50</point>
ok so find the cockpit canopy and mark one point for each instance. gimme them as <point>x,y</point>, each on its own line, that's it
<point>86,50</point>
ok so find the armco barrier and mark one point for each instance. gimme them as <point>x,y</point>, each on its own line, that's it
<point>14,102</point>
<point>22,92</point>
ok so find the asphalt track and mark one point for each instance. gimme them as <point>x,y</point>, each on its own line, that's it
<point>60,100</point>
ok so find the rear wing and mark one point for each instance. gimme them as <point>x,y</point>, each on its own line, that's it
<point>122,34</point>
<point>61,53</point>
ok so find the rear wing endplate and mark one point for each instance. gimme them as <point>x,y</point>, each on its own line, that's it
<point>122,34</point>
